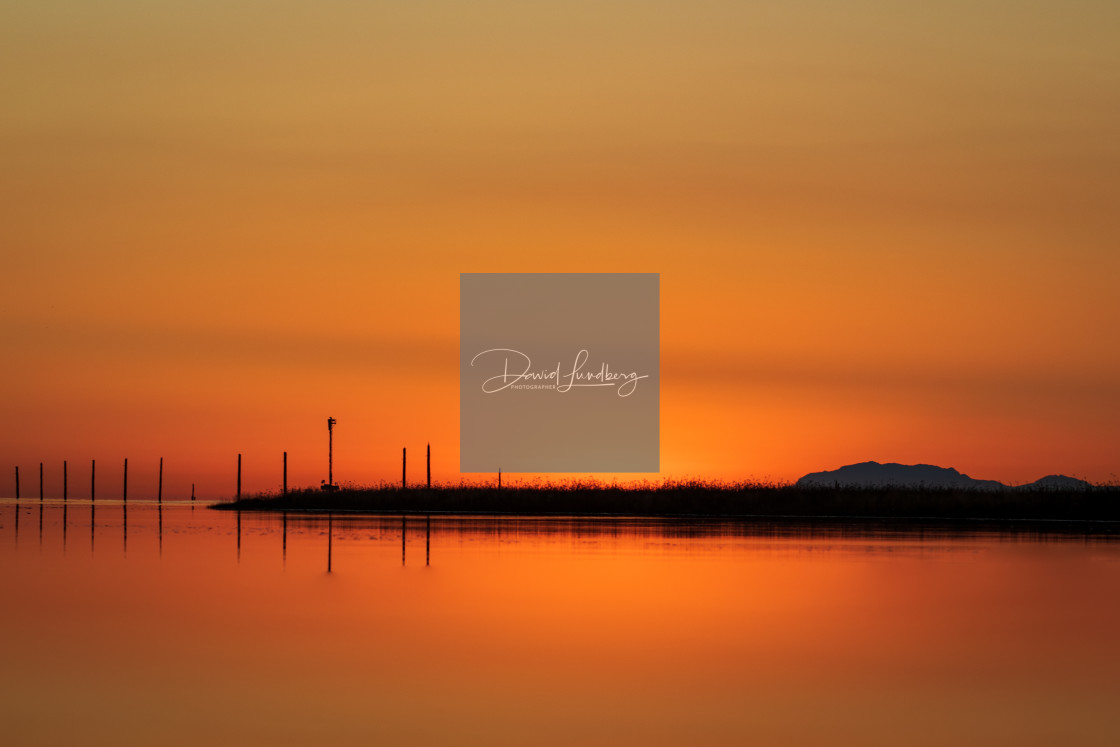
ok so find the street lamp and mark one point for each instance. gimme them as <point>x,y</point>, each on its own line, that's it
<point>330,455</point>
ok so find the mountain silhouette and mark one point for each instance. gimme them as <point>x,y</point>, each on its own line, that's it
<point>873,474</point>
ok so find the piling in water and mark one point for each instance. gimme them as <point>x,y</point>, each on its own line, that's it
<point>64,479</point>
<point>285,473</point>
<point>239,479</point>
<point>124,488</point>
<point>160,494</point>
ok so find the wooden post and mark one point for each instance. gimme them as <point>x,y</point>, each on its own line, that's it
<point>92,479</point>
<point>330,450</point>
<point>192,491</point>
<point>429,466</point>
<point>239,484</point>
<point>160,494</point>
<point>64,489</point>
<point>404,462</point>
<point>17,484</point>
<point>40,481</point>
<point>499,478</point>
<point>124,488</point>
<point>285,473</point>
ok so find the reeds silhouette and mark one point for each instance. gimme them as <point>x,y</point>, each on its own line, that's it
<point>697,497</point>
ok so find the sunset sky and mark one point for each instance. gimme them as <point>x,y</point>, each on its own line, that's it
<point>885,231</point>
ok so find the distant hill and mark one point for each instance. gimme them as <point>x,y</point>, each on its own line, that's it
<point>873,474</point>
<point>1057,482</point>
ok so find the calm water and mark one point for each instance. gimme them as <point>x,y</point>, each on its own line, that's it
<point>182,626</point>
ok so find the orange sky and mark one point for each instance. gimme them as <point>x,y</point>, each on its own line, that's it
<point>883,232</point>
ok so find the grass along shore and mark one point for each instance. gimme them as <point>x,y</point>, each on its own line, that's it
<point>701,498</point>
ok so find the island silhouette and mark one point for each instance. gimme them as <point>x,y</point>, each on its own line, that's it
<point>892,474</point>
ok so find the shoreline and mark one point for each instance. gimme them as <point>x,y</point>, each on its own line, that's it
<point>1097,509</point>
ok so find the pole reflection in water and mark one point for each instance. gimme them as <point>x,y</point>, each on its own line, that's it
<point>64,507</point>
<point>238,536</point>
<point>92,525</point>
<point>387,531</point>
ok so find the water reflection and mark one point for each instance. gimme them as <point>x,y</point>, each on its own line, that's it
<point>652,535</point>
<point>583,533</point>
<point>619,631</point>
<point>60,509</point>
